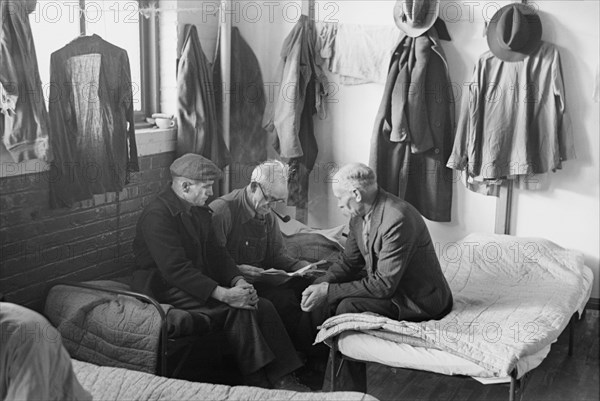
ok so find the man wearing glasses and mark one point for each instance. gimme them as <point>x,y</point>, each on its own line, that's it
<point>245,224</point>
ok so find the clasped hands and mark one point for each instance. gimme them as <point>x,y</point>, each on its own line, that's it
<point>242,296</point>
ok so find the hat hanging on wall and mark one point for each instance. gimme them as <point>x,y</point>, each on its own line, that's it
<point>415,17</point>
<point>514,32</point>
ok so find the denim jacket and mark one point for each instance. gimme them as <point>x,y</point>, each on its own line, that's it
<point>23,119</point>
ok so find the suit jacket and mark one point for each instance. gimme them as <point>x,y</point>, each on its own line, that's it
<point>177,248</point>
<point>400,263</point>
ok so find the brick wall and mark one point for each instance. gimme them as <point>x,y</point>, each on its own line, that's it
<point>91,240</point>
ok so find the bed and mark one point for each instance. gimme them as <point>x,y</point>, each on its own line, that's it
<point>512,299</point>
<point>111,383</point>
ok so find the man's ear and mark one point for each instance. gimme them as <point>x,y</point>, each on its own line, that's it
<point>253,186</point>
<point>185,186</point>
<point>357,195</point>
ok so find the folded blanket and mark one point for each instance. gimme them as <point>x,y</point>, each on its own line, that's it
<point>512,297</point>
<point>105,328</point>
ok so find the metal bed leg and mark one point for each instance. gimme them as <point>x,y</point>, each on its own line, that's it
<point>514,386</point>
<point>332,357</point>
<point>572,333</point>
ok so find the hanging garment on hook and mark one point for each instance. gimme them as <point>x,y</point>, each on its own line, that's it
<point>91,115</point>
<point>413,133</point>
<point>23,115</point>
<point>197,127</point>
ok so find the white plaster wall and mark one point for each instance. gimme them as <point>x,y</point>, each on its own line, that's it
<point>565,211</point>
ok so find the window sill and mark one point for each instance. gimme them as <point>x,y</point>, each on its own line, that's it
<point>149,141</point>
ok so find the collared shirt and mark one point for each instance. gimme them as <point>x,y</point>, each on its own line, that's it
<point>367,222</point>
<point>366,228</point>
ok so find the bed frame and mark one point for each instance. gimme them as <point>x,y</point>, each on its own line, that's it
<point>167,346</point>
<point>516,389</point>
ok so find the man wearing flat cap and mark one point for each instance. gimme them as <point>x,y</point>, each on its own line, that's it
<point>179,262</point>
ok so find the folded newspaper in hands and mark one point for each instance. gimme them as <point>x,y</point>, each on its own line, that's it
<point>298,272</point>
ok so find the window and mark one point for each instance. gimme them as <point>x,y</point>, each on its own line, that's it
<point>56,23</point>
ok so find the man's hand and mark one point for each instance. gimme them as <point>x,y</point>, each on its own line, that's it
<point>313,296</point>
<point>240,296</point>
<point>250,273</point>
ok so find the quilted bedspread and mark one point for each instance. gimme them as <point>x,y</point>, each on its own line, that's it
<point>104,328</point>
<point>512,297</point>
<point>106,383</point>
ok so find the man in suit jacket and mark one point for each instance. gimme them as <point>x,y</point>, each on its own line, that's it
<point>390,245</point>
<point>175,246</point>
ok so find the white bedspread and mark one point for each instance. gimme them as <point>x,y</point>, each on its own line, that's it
<point>512,297</point>
<point>106,383</point>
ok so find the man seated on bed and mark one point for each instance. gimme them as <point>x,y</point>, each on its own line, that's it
<point>179,259</point>
<point>389,265</point>
<point>34,365</point>
<point>245,224</point>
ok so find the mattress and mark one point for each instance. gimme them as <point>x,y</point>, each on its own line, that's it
<point>510,305</point>
<point>366,347</point>
<point>108,383</point>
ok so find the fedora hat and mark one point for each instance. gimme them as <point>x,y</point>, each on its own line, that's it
<point>514,32</point>
<point>415,17</point>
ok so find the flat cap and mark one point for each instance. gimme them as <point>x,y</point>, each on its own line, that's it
<point>195,167</point>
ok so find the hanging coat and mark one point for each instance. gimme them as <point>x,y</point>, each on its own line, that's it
<point>290,116</point>
<point>197,130</point>
<point>248,138</point>
<point>23,115</point>
<point>413,134</point>
<point>91,115</point>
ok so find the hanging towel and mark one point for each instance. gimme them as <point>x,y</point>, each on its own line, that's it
<point>361,53</point>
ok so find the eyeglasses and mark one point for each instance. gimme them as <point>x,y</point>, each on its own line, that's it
<point>269,199</point>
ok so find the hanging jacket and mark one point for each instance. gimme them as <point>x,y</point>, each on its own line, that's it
<point>248,138</point>
<point>23,115</point>
<point>515,121</point>
<point>413,134</point>
<point>197,130</point>
<point>300,94</point>
<point>91,115</point>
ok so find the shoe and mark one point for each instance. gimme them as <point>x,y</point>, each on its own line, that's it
<point>290,382</point>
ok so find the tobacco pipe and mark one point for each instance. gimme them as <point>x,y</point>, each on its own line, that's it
<point>285,218</point>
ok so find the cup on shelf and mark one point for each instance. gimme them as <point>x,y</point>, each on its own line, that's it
<point>164,123</point>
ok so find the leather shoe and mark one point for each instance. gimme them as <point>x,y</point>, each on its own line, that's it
<point>290,382</point>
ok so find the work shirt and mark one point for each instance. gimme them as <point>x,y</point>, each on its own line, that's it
<point>249,237</point>
<point>515,122</point>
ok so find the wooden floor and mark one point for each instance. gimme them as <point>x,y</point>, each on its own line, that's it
<point>560,377</point>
